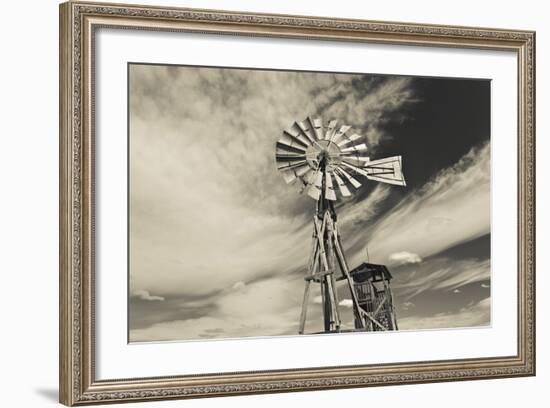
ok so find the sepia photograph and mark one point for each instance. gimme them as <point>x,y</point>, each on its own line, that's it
<point>271,202</point>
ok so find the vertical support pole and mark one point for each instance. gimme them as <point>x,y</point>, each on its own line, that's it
<point>392,318</point>
<point>344,267</point>
<point>332,267</point>
<point>327,289</point>
<point>312,266</point>
<point>327,304</point>
<point>321,266</point>
<point>304,308</point>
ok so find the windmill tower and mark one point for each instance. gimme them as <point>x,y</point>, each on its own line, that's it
<point>326,159</point>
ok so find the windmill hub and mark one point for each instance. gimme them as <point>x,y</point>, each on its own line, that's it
<point>324,153</point>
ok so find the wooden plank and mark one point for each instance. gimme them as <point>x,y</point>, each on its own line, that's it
<point>379,306</point>
<point>304,309</point>
<point>319,275</point>
<point>331,263</point>
<point>344,267</point>
<point>372,319</point>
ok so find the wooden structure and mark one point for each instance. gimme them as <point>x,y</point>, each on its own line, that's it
<point>371,284</point>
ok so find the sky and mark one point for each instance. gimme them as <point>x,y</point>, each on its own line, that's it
<point>218,243</point>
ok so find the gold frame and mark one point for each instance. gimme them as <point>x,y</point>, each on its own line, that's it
<point>78,21</point>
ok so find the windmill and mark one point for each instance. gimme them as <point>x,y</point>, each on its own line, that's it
<point>325,159</point>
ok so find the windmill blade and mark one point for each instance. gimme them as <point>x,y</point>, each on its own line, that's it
<point>355,149</point>
<point>296,132</point>
<point>309,178</point>
<point>285,149</point>
<point>349,178</point>
<point>307,130</point>
<point>284,157</point>
<point>330,194</point>
<point>291,140</point>
<point>303,171</point>
<point>348,139</point>
<point>357,157</point>
<point>356,169</point>
<point>315,184</point>
<point>314,192</point>
<point>331,129</point>
<point>291,174</point>
<point>318,182</point>
<point>317,125</point>
<point>388,170</point>
<point>289,148</point>
<point>340,133</point>
<point>358,161</point>
<point>341,185</point>
<point>291,165</point>
<point>288,140</point>
<point>354,153</point>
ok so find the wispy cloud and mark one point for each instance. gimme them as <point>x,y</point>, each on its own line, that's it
<point>145,295</point>
<point>346,303</point>
<point>441,274</point>
<point>239,285</point>
<point>234,316</point>
<point>404,257</point>
<point>369,110</point>
<point>366,210</point>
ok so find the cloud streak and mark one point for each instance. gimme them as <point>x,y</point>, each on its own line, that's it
<point>478,314</point>
<point>442,274</point>
<point>270,315</point>
<point>346,303</point>
<point>404,257</point>
<point>145,295</point>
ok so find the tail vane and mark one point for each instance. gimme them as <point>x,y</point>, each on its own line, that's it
<point>388,170</point>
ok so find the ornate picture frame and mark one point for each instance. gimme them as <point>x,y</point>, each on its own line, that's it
<point>79,22</point>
